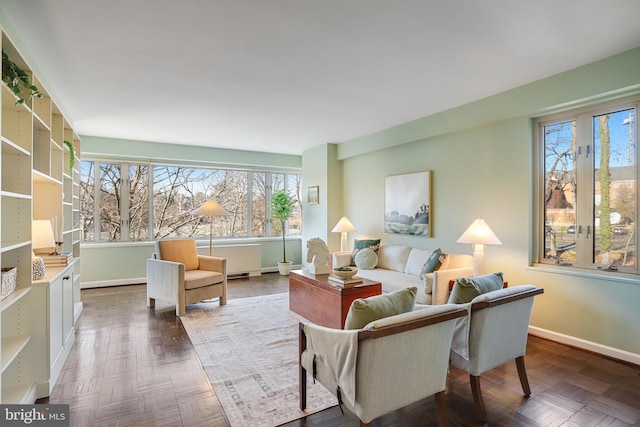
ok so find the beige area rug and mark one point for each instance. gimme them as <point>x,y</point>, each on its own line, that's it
<point>249,350</point>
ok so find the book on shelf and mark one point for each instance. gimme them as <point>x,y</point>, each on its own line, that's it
<point>342,281</point>
<point>60,260</point>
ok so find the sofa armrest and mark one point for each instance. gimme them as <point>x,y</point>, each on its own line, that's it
<point>211,263</point>
<point>341,259</point>
<point>440,291</point>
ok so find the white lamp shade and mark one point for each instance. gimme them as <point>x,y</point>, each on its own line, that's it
<point>42,234</point>
<point>210,208</point>
<point>479,233</point>
<point>344,225</point>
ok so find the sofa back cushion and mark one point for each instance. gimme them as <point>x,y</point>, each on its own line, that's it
<point>393,257</point>
<point>415,261</point>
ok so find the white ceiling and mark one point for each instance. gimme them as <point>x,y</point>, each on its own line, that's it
<point>286,75</point>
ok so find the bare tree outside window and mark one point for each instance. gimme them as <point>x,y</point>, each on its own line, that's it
<point>175,192</point>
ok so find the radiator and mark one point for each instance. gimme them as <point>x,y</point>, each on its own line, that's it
<point>241,259</point>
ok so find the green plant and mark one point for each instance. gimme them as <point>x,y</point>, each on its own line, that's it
<point>282,208</point>
<point>72,155</point>
<point>17,80</point>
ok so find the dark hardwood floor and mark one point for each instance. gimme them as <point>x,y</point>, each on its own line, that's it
<point>132,366</point>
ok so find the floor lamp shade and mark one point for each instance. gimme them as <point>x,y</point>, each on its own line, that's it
<point>343,227</point>
<point>210,208</point>
<point>479,234</point>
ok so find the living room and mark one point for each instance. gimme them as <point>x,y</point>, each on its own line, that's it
<point>483,162</point>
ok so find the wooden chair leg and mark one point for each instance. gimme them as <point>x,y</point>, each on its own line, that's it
<point>366,424</point>
<point>477,397</point>
<point>302,373</point>
<point>441,409</point>
<point>522,373</point>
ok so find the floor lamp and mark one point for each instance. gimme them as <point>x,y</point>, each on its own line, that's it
<point>343,227</point>
<point>479,234</point>
<point>210,208</point>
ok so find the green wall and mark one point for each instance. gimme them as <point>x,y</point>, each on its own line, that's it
<point>481,158</point>
<point>120,263</point>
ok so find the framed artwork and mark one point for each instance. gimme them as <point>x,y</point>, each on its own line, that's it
<point>407,204</point>
<point>313,195</point>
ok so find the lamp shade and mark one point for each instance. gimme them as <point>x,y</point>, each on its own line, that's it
<point>479,233</point>
<point>42,234</point>
<point>210,208</point>
<point>344,225</point>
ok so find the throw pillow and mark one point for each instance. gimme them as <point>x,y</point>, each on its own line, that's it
<point>434,262</point>
<point>358,245</point>
<point>366,310</point>
<point>366,259</point>
<point>467,288</point>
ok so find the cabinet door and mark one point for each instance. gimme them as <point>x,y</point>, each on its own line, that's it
<point>55,320</point>
<point>67,305</point>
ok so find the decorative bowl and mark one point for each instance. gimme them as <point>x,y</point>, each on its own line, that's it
<point>345,272</point>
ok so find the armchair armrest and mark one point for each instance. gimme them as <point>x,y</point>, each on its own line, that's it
<point>341,259</point>
<point>211,263</point>
<point>440,292</point>
<point>164,279</point>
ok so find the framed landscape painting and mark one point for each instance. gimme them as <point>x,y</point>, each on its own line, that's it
<point>407,203</point>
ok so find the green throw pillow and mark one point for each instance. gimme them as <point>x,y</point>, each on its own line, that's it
<point>434,262</point>
<point>467,288</point>
<point>366,310</point>
<point>366,259</point>
<point>358,245</point>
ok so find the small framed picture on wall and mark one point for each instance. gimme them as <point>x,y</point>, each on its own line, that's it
<point>313,195</point>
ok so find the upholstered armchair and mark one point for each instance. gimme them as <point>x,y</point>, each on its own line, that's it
<point>179,275</point>
<point>494,332</point>
<point>388,364</point>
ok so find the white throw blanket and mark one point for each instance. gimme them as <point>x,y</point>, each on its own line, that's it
<point>336,351</point>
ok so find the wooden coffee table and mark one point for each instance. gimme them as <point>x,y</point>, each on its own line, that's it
<point>323,301</point>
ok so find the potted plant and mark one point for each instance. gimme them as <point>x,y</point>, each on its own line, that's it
<point>18,80</point>
<point>281,208</point>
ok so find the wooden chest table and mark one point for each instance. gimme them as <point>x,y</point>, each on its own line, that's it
<point>325,302</point>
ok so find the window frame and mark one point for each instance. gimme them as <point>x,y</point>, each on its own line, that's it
<point>125,164</point>
<point>584,209</point>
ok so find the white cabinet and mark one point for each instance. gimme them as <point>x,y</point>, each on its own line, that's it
<point>55,334</point>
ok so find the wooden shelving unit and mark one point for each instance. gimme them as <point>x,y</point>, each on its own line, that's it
<point>37,183</point>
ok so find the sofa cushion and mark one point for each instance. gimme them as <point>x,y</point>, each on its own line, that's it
<point>415,261</point>
<point>434,262</point>
<point>358,245</point>
<point>393,257</point>
<point>366,259</point>
<point>366,310</point>
<point>467,288</point>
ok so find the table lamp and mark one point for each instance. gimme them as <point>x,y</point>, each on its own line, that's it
<point>343,227</point>
<point>41,238</point>
<point>479,234</point>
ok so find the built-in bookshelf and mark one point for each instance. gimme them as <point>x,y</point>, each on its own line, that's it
<point>37,183</point>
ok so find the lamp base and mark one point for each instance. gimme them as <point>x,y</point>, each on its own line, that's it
<point>38,268</point>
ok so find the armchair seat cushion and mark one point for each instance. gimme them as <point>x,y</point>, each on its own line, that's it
<point>198,278</point>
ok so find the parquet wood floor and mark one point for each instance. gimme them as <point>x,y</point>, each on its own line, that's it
<point>132,366</point>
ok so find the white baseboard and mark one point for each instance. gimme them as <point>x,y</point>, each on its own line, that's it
<point>586,345</point>
<point>118,282</point>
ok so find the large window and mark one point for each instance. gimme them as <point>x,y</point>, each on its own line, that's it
<point>124,201</point>
<point>588,188</point>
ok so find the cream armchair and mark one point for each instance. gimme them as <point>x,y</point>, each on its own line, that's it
<point>387,365</point>
<point>494,332</point>
<point>180,276</point>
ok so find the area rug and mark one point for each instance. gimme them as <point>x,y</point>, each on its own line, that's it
<point>249,350</point>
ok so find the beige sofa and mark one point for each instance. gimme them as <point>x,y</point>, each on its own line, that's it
<point>399,266</point>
